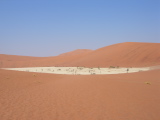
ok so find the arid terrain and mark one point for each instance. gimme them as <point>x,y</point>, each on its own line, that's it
<point>80,70</point>
<point>42,96</point>
<point>128,54</point>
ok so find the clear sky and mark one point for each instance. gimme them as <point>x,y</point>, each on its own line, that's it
<point>51,27</point>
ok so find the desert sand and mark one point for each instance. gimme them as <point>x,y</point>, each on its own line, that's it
<point>30,96</point>
<point>128,54</point>
<point>13,61</point>
<point>95,92</point>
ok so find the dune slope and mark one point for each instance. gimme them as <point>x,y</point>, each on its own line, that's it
<point>13,61</point>
<point>76,52</point>
<point>129,54</point>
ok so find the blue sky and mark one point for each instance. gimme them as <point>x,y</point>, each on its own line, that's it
<point>51,27</point>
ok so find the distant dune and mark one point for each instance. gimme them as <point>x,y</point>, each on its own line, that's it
<point>76,52</point>
<point>7,61</point>
<point>128,54</point>
<point>4,57</point>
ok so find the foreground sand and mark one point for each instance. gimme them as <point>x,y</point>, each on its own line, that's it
<point>80,70</point>
<point>30,96</point>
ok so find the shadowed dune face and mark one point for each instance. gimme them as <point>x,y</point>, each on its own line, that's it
<point>127,54</point>
<point>61,97</point>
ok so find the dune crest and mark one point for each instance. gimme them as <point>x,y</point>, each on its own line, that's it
<point>128,54</point>
<point>76,52</point>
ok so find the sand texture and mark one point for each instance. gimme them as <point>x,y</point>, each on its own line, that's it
<point>30,96</point>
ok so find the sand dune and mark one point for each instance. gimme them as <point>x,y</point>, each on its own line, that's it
<point>13,61</point>
<point>77,52</point>
<point>129,54</point>
<point>24,96</point>
<point>4,57</point>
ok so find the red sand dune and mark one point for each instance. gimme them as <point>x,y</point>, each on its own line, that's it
<point>76,52</point>
<point>24,96</point>
<point>129,54</point>
<point>11,61</point>
<point>16,58</point>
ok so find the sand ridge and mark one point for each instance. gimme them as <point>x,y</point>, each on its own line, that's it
<point>13,61</point>
<point>76,52</point>
<point>128,54</point>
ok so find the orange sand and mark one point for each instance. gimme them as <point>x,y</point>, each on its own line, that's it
<point>129,54</point>
<point>37,96</point>
<point>30,96</point>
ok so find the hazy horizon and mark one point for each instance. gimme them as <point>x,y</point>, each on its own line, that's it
<point>49,28</point>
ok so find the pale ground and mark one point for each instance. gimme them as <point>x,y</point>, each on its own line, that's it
<point>80,70</point>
